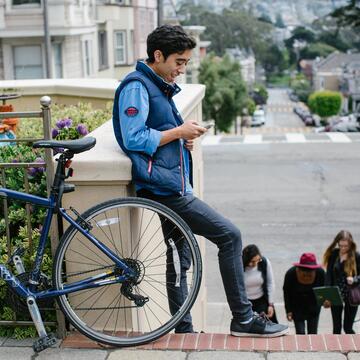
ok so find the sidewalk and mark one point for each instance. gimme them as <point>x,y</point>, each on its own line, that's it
<point>70,354</point>
<point>196,347</point>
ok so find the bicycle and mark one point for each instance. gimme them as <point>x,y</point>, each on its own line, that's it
<point>114,267</point>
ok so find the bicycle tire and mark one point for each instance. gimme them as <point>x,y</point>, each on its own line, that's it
<point>137,324</point>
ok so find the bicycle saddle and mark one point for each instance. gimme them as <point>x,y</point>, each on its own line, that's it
<point>74,146</point>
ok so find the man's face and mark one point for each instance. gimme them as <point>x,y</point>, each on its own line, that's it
<point>173,66</point>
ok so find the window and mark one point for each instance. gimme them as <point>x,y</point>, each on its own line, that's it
<point>57,51</point>
<point>28,62</point>
<point>120,55</point>
<point>103,51</point>
<point>26,2</point>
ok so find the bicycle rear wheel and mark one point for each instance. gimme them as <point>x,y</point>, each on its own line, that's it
<point>155,242</point>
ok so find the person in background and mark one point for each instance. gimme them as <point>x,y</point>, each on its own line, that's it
<point>259,281</point>
<point>342,263</point>
<point>300,302</point>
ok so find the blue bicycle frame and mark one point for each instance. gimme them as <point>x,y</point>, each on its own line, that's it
<point>105,278</point>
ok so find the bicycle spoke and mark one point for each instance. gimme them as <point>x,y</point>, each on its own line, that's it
<point>86,257</point>
<point>138,243</point>
<point>139,231</point>
<point>104,311</point>
<point>96,253</point>
<point>112,237</point>
<point>121,241</point>
<point>105,288</point>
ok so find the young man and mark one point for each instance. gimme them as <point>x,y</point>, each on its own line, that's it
<point>150,130</point>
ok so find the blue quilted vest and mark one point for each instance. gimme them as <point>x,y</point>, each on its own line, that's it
<point>162,172</point>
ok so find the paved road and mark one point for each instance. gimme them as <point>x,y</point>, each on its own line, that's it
<point>287,196</point>
<point>279,113</point>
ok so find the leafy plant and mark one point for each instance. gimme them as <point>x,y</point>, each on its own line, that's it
<point>19,233</point>
<point>325,103</point>
<point>70,122</point>
<point>80,114</point>
<point>301,87</point>
<point>225,90</point>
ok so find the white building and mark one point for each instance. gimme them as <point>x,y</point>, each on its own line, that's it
<point>89,38</point>
<point>246,60</point>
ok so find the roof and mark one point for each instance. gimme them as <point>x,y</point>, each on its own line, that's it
<point>336,60</point>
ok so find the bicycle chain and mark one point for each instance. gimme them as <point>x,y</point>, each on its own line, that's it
<point>88,271</point>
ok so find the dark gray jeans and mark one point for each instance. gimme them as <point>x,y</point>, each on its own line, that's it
<point>205,221</point>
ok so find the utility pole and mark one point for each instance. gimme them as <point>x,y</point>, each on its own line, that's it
<point>160,5</point>
<point>47,39</point>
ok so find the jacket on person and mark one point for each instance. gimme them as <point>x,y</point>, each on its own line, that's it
<point>164,170</point>
<point>262,267</point>
<point>333,272</point>
<point>299,298</point>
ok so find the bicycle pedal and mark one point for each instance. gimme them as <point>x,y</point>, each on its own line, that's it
<point>44,342</point>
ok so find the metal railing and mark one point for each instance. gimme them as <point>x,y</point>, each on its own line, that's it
<point>45,115</point>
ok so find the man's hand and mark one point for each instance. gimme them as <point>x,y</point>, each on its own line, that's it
<point>189,144</point>
<point>289,316</point>
<point>350,280</point>
<point>190,130</point>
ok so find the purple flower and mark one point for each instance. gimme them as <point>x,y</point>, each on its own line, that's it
<point>54,133</point>
<point>64,123</point>
<point>82,129</point>
<point>40,160</point>
<point>32,171</point>
<point>15,161</point>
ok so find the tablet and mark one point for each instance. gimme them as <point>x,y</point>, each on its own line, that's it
<point>330,293</point>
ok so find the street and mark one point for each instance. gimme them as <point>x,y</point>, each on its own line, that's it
<point>288,198</point>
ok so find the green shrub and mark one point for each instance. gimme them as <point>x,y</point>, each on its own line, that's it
<point>68,122</point>
<point>82,113</point>
<point>18,229</point>
<point>325,103</point>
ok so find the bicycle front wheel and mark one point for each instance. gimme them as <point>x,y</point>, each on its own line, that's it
<point>157,244</point>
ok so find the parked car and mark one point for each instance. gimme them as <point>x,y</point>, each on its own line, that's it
<point>258,118</point>
<point>305,115</point>
<point>292,96</point>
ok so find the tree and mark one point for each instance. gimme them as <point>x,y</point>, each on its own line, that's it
<point>259,95</point>
<point>225,90</point>
<point>300,33</point>
<point>279,22</point>
<point>235,27</point>
<point>315,50</point>
<point>274,60</point>
<point>348,15</point>
<point>325,103</point>
<point>265,18</point>
<point>301,87</point>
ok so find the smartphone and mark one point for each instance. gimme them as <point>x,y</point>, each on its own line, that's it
<point>208,126</point>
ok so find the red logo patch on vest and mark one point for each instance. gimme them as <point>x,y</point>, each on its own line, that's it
<point>131,111</point>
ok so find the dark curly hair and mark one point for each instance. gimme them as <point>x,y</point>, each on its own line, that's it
<point>169,39</point>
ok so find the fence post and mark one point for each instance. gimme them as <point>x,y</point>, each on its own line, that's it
<point>45,102</point>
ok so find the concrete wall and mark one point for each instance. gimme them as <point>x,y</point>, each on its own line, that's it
<point>1,62</point>
<point>104,172</point>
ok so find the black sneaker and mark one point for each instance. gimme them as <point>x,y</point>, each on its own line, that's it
<point>259,326</point>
